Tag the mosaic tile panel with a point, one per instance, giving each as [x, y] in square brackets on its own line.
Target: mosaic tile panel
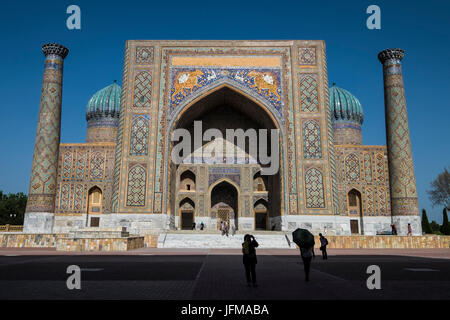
[352, 167]
[139, 135]
[309, 94]
[142, 92]
[312, 146]
[367, 167]
[67, 164]
[144, 55]
[314, 189]
[307, 56]
[97, 166]
[137, 178]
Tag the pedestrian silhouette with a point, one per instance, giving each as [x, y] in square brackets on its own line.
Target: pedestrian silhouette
[409, 229]
[193, 226]
[323, 246]
[307, 254]
[202, 225]
[249, 259]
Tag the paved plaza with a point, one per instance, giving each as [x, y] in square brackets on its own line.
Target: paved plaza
[219, 274]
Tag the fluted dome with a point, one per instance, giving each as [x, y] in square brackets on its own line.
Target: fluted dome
[345, 106]
[102, 114]
[104, 103]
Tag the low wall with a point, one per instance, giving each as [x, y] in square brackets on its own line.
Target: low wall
[27, 240]
[151, 240]
[99, 244]
[373, 242]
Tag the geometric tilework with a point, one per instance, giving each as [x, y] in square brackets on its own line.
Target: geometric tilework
[381, 199]
[139, 135]
[309, 96]
[137, 177]
[78, 197]
[379, 167]
[352, 167]
[312, 146]
[144, 55]
[67, 165]
[64, 197]
[370, 201]
[81, 164]
[367, 167]
[314, 193]
[142, 90]
[307, 56]
[97, 165]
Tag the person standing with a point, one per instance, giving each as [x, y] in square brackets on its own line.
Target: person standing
[409, 229]
[307, 254]
[249, 259]
[193, 225]
[202, 225]
[227, 228]
[323, 246]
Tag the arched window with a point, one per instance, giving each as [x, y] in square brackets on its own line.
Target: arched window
[95, 200]
[187, 181]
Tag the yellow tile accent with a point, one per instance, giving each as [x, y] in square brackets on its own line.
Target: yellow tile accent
[240, 61]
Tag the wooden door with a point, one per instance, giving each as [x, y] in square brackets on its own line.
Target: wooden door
[354, 226]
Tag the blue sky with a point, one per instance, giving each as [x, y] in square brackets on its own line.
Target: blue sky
[421, 28]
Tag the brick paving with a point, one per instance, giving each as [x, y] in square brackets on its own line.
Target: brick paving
[219, 274]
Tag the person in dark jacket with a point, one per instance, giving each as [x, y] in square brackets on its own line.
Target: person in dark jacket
[307, 254]
[249, 259]
[323, 246]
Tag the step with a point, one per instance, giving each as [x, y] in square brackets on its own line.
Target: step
[217, 241]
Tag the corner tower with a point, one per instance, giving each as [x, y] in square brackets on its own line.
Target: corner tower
[39, 213]
[404, 201]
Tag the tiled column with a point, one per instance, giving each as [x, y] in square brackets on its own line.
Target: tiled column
[404, 201]
[39, 214]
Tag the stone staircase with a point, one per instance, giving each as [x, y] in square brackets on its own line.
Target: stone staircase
[214, 240]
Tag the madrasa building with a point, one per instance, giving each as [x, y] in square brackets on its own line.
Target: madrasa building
[124, 174]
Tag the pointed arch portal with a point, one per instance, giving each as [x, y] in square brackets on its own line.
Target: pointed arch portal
[228, 108]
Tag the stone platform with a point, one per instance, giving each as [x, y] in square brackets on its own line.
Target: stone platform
[99, 239]
[281, 240]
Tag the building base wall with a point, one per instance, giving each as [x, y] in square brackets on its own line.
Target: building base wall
[401, 222]
[336, 225]
[38, 222]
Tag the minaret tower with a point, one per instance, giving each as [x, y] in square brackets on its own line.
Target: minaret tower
[39, 214]
[404, 201]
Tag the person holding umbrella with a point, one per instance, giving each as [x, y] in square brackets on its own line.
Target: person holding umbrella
[305, 241]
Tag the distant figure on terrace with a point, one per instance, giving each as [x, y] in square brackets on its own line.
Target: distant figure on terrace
[409, 229]
[394, 229]
[193, 225]
[202, 225]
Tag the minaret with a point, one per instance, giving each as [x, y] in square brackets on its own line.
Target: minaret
[39, 214]
[404, 201]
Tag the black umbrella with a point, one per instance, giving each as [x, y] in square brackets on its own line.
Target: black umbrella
[303, 238]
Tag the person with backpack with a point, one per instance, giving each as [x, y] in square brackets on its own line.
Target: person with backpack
[323, 246]
[249, 259]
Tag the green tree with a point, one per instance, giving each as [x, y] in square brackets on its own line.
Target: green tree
[445, 228]
[12, 208]
[425, 223]
[439, 193]
[435, 226]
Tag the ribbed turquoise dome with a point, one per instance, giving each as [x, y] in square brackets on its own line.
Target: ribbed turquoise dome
[345, 106]
[104, 103]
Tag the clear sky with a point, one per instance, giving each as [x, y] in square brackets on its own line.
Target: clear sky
[421, 28]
